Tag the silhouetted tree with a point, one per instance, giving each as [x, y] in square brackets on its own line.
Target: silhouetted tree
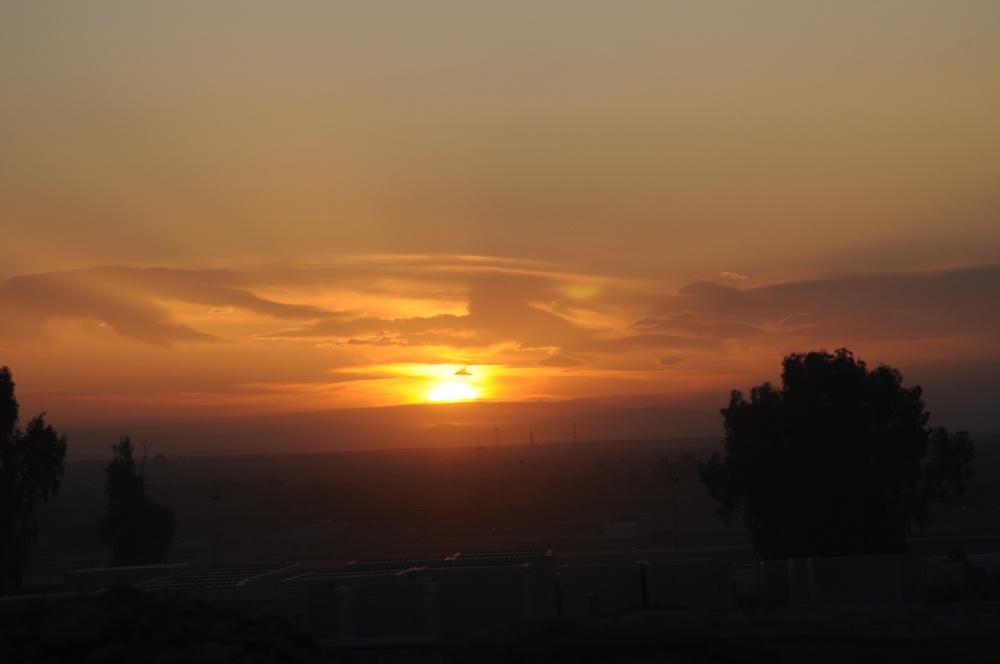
[838, 461]
[138, 530]
[31, 467]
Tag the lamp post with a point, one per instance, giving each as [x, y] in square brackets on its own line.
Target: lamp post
[215, 528]
[677, 546]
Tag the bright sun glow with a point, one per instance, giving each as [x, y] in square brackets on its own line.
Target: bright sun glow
[452, 391]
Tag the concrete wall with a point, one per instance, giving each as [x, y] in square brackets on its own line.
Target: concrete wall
[542, 574]
[479, 599]
[289, 602]
[697, 584]
[455, 601]
[746, 585]
[395, 610]
[600, 590]
[774, 583]
[946, 578]
[844, 580]
[324, 597]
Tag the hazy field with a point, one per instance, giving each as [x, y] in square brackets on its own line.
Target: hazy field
[585, 501]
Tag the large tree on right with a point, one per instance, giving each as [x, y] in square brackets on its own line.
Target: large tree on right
[837, 461]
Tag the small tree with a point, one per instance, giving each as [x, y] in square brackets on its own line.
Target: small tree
[138, 530]
[31, 467]
[838, 461]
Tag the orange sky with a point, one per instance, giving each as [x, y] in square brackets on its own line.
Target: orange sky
[256, 208]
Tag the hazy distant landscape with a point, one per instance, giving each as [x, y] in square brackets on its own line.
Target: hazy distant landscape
[595, 500]
[459, 424]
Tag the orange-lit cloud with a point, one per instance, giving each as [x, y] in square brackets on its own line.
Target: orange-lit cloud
[205, 339]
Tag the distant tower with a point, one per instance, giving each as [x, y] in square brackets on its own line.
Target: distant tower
[574, 433]
[531, 438]
[497, 429]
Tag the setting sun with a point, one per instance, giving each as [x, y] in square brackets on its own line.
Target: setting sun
[452, 391]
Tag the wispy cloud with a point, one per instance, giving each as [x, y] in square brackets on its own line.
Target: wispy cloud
[560, 361]
[928, 305]
[503, 302]
[343, 323]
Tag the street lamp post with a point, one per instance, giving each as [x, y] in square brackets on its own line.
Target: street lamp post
[677, 545]
[215, 528]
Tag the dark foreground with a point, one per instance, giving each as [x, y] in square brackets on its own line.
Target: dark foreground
[123, 625]
[959, 632]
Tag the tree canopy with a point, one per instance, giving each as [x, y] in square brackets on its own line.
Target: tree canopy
[138, 530]
[31, 468]
[837, 461]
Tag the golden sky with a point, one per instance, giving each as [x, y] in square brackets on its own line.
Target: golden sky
[237, 208]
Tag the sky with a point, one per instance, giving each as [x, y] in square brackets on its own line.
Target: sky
[263, 212]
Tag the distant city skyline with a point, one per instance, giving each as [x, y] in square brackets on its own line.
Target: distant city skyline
[247, 210]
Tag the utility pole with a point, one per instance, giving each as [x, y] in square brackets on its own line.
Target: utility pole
[497, 429]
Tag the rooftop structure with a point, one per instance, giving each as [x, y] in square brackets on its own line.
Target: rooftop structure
[225, 577]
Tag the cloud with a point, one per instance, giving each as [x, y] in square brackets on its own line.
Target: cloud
[299, 337]
[512, 313]
[502, 306]
[502, 314]
[419, 330]
[480, 303]
[381, 341]
[560, 361]
[691, 325]
[928, 305]
[32, 301]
